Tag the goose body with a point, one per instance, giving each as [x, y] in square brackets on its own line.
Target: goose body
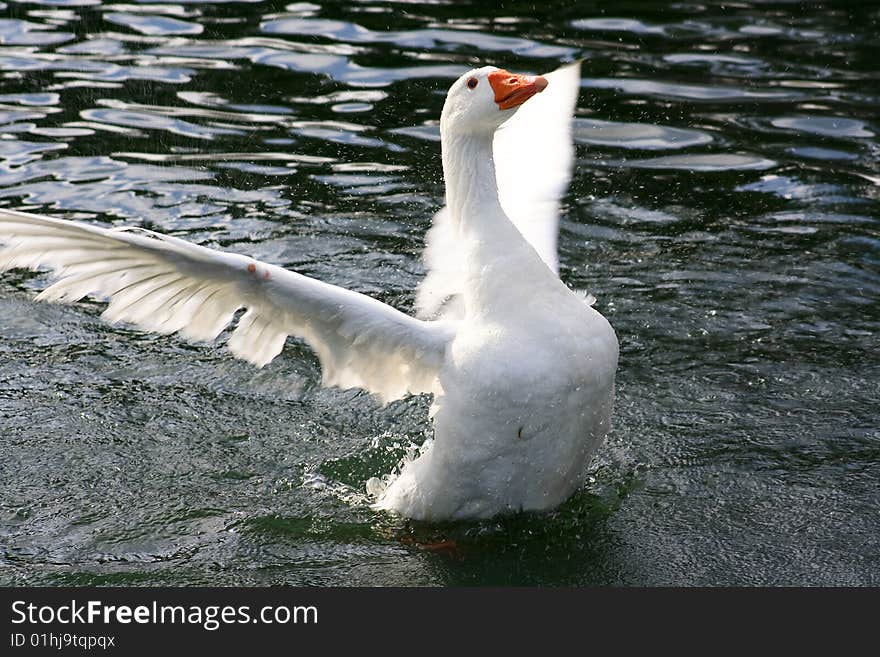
[524, 395]
[521, 406]
[520, 366]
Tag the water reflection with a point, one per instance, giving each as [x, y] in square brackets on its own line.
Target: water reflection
[701, 162]
[638, 136]
[153, 25]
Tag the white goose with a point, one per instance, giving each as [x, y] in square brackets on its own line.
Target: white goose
[521, 368]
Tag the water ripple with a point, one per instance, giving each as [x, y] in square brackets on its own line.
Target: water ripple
[693, 92]
[701, 162]
[155, 121]
[826, 126]
[427, 39]
[153, 25]
[636, 135]
[724, 211]
[25, 33]
[617, 25]
[89, 69]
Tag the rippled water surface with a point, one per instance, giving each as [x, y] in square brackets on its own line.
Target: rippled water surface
[724, 211]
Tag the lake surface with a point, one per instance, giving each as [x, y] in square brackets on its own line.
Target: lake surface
[724, 212]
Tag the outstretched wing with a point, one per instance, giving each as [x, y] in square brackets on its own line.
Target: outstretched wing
[165, 284]
[531, 187]
[530, 180]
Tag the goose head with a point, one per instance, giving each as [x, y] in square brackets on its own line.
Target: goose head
[484, 98]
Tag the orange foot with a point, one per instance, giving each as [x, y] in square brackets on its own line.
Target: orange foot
[446, 547]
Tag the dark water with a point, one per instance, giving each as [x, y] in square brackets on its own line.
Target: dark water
[724, 211]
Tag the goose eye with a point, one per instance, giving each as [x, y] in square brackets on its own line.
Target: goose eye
[472, 83]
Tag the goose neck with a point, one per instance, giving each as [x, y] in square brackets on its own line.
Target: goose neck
[469, 171]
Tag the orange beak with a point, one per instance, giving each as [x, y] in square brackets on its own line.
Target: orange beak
[512, 90]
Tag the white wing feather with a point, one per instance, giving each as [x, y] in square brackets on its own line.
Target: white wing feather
[533, 160]
[439, 293]
[533, 154]
[165, 284]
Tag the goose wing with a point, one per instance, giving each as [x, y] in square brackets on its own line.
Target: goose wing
[530, 188]
[164, 284]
